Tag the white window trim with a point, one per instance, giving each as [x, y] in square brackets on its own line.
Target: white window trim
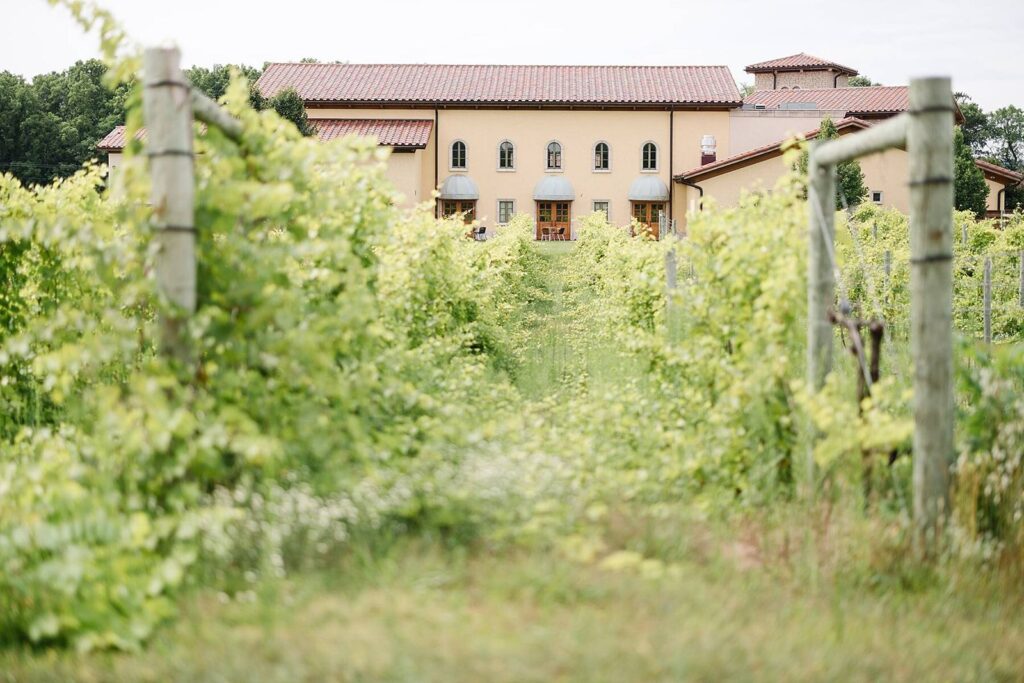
[605, 201]
[515, 157]
[451, 146]
[547, 169]
[657, 157]
[881, 196]
[497, 215]
[593, 152]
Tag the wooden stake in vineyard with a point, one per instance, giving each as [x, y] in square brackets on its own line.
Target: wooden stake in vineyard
[167, 112]
[927, 131]
[168, 104]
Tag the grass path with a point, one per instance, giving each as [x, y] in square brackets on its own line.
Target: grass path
[735, 604]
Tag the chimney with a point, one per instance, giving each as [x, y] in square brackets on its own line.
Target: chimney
[707, 150]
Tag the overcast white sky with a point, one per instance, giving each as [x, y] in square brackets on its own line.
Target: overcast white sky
[980, 43]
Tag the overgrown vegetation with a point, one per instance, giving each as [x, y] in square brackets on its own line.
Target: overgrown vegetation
[397, 429]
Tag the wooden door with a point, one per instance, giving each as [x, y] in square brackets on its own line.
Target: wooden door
[647, 214]
[553, 220]
[450, 207]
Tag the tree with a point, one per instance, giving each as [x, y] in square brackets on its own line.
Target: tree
[970, 191]
[1006, 136]
[861, 82]
[850, 187]
[975, 125]
[290, 106]
[214, 81]
[746, 89]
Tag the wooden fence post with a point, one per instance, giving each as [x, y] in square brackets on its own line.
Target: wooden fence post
[1020, 282]
[821, 203]
[167, 114]
[930, 151]
[986, 293]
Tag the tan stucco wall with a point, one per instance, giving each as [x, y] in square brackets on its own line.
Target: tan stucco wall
[885, 172]
[114, 159]
[531, 130]
[405, 171]
[749, 129]
[804, 80]
[993, 194]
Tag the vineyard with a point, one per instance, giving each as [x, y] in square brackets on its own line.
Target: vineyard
[400, 454]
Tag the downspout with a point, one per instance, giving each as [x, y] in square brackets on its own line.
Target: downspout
[775, 79]
[700, 200]
[437, 145]
[671, 156]
[835, 81]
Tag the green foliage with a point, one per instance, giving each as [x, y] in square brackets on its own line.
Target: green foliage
[969, 187]
[861, 82]
[975, 126]
[850, 187]
[290, 107]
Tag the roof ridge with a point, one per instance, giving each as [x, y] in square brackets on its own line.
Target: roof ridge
[552, 66]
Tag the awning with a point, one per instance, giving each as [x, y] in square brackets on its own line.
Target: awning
[459, 187]
[648, 188]
[554, 188]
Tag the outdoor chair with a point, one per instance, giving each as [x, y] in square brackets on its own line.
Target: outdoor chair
[561, 234]
[545, 234]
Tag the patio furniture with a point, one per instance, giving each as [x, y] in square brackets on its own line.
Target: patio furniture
[561, 234]
[545, 234]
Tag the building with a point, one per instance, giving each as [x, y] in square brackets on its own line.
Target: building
[560, 142]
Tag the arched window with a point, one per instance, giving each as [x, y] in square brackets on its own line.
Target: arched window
[601, 156]
[649, 161]
[506, 156]
[554, 156]
[458, 158]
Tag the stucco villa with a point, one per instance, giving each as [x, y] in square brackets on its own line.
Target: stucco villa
[560, 142]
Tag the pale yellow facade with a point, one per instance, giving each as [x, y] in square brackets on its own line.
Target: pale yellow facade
[886, 173]
[530, 131]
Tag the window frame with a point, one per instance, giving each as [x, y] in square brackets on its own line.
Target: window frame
[561, 157]
[512, 168]
[607, 211]
[608, 159]
[881, 197]
[512, 211]
[657, 157]
[465, 156]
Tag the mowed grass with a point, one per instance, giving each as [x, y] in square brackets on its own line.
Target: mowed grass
[421, 614]
[753, 599]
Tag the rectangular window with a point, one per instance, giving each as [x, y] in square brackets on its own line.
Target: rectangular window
[876, 196]
[506, 207]
[602, 205]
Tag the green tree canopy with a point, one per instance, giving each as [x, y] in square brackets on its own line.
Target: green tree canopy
[850, 187]
[861, 82]
[290, 106]
[969, 187]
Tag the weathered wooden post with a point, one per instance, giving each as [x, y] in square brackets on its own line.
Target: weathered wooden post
[1020, 278]
[930, 151]
[167, 113]
[821, 207]
[986, 294]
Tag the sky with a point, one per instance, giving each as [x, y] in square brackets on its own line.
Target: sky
[980, 43]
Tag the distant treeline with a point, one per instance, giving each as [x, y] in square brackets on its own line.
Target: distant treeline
[50, 125]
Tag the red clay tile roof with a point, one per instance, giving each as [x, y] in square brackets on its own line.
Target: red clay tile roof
[774, 149]
[115, 140]
[412, 133]
[502, 84]
[797, 62]
[389, 132]
[851, 101]
[1004, 175]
